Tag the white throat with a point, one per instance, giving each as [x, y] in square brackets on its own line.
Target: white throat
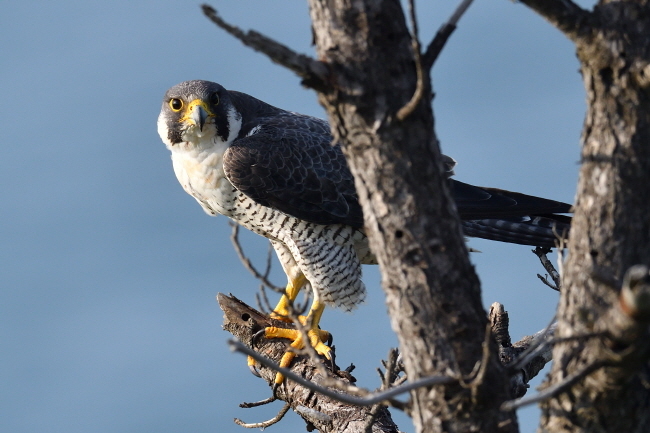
[198, 162]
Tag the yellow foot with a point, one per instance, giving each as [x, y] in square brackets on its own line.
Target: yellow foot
[284, 316]
[317, 338]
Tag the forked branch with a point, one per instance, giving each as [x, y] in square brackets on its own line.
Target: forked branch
[567, 16]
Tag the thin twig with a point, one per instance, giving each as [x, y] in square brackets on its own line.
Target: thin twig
[269, 261]
[370, 400]
[545, 346]
[392, 367]
[264, 424]
[262, 301]
[566, 15]
[537, 343]
[541, 253]
[547, 283]
[554, 390]
[234, 238]
[258, 403]
[388, 380]
[439, 41]
[407, 109]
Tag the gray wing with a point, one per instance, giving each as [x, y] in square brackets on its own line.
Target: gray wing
[290, 164]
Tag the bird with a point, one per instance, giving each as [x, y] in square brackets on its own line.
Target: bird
[281, 175]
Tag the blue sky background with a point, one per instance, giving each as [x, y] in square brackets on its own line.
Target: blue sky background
[108, 318]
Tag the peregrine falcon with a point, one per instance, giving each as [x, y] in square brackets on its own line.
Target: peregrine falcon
[280, 175]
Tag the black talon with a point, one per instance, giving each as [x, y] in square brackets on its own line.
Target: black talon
[253, 370]
[330, 339]
[257, 335]
[332, 359]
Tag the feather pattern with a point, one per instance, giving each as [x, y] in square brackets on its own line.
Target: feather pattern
[280, 175]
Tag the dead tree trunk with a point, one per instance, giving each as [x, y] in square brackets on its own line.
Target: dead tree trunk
[433, 294]
[607, 355]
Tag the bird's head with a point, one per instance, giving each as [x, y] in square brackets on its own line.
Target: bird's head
[197, 113]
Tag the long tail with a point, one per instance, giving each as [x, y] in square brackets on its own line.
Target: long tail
[538, 231]
[507, 216]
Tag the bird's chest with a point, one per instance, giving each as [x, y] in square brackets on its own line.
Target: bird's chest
[203, 178]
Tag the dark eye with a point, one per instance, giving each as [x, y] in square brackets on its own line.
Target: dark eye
[214, 98]
[176, 104]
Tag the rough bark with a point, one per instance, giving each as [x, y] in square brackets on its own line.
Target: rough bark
[432, 291]
[611, 229]
[320, 412]
[333, 413]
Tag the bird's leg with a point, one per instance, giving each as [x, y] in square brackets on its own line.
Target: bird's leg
[281, 311]
[316, 337]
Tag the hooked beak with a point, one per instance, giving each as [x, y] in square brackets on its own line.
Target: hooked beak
[199, 116]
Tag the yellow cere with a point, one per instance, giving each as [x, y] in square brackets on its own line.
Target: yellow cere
[190, 109]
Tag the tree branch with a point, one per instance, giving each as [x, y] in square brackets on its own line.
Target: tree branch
[554, 390]
[510, 354]
[369, 399]
[407, 109]
[265, 424]
[565, 15]
[624, 339]
[548, 266]
[263, 278]
[439, 41]
[313, 73]
[322, 412]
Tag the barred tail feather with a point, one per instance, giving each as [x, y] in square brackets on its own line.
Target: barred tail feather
[539, 231]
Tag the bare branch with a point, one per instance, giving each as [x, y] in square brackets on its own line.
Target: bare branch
[540, 346]
[554, 390]
[537, 345]
[532, 360]
[407, 109]
[388, 380]
[565, 15]
[268, 423]
[372, 399]
[313, 73]
[258, 403]
[548, 266]
[547, 283]
[439, 41]
[262, 300]
[234, 238]
[393, 369]
[243, 322]
[522, 359]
